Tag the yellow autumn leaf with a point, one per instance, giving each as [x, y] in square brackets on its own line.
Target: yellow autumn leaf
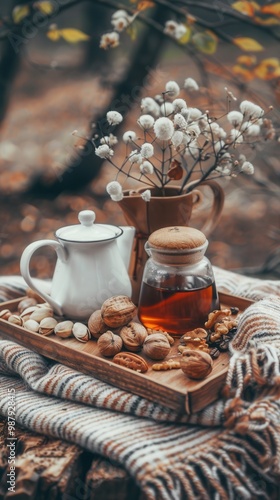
[132, 32]
[273, 8]
[268, 69]
[144, 5]
[249, 44]
[247, 60]
[72, 35]
[246, 8]
[246, 74]
[54, 35]
[269, 21]
[45, 7]
[186, 36]
[20, 12]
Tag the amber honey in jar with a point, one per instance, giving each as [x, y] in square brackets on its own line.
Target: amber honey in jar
[178, 287]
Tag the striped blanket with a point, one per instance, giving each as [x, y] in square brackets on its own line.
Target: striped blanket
[229, 450]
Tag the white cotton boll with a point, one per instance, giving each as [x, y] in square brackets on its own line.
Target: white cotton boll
[185, 113]
[114, 117]
[114, 188]
[146, 168]
[177, 138]
[235, 118]
[117, 197]
[251, 110]
[179, 104]
[135, 157]
[110, 139]
[120, 13]
[221, 133]
[236, 136]
[218, 146]
[109, 40]
[192, 149]
[146, 196]
[193, 130]
[170, 28]
[104, 151]
[163, 128]
[120, 23]
[251, 129]
[247, 168]
[129, 136]
[194, 114]
[180, 31]
[149, 105]
[179, 121]
[147, 150]
[146, 122]
[172, 88]
[166, 109]
[190, 84]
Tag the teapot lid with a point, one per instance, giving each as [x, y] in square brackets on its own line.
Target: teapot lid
[87, 231]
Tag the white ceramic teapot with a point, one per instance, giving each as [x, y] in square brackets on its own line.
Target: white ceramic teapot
[90, 267]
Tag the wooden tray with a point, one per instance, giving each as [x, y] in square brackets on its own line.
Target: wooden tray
[171, 388]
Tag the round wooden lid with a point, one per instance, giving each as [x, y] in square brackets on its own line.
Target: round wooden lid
[177, 245]
[177, 238]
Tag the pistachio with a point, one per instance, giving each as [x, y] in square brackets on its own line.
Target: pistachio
[25, 303]
[5, 313]
[32, 325]
[64, 329]
[81, 332]
[27, 312]
[47, 326]
[41, 313]
[15, 319]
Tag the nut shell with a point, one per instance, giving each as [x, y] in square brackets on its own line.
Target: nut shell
[117, 311]
[156, 346]
[96, 324]
[81, 332]
[133, 336]
[109, 344]
[196, 364]
[64, 329]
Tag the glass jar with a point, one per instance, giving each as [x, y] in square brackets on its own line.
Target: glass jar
[178, 288]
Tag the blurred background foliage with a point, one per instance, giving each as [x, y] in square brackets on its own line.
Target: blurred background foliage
[55, 78]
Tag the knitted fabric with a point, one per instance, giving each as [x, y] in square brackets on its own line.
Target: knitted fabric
[229, 450]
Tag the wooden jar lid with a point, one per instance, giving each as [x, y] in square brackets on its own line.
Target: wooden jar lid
[177, 245]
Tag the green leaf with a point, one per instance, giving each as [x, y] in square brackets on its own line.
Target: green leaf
[45, 7]
[205, 41]
[132, 32]
[20, 12]
[73, 35]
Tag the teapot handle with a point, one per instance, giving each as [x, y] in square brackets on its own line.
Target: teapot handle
[25, 268]
[217, 204]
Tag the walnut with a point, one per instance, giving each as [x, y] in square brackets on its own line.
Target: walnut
[109, 344]
[196, 364]
[96, 324]
[216, 316]
[200, 333]
[170, 339]
[170, 364]
[156, 346]
[117, 311]
[222, 328]
[193, 344]
[133, 336]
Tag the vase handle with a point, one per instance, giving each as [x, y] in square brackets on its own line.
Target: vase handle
[217, 205]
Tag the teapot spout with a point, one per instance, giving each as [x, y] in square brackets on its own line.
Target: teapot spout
[125, 243]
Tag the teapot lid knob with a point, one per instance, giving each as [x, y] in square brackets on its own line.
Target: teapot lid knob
[87, 217]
